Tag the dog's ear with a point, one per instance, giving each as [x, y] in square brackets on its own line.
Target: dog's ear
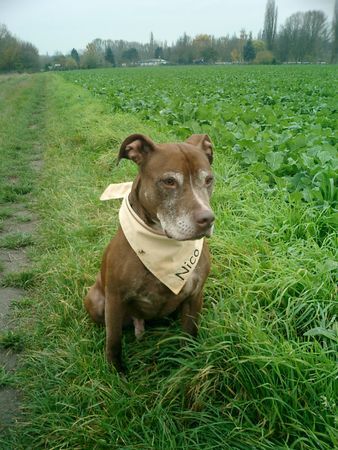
[203, 142]
[136, 147]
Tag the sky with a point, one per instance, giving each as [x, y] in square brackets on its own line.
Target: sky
[60, 25]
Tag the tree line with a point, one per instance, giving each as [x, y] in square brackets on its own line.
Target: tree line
[304, 37]
[17, 55]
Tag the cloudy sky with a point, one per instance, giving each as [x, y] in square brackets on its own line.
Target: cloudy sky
[60, 25]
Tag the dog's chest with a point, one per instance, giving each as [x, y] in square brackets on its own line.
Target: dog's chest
[148, 298]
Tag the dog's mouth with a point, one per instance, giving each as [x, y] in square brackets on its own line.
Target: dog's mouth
[206, 233]
[210, 231]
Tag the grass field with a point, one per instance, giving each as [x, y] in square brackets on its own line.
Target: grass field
[262, 373]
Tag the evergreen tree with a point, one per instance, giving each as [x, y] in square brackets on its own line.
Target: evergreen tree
[130, 55]
[158, 53]
[249, 52]
[109, 56]
[74, 54]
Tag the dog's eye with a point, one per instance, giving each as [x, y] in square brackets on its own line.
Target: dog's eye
[209, 180]
[169, 182]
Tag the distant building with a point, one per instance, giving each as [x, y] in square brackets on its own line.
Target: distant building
[153, 62]
[55, 66]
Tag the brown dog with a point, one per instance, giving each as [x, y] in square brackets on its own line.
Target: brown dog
[170, 198]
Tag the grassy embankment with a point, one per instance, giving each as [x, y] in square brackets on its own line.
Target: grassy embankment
[253, 378]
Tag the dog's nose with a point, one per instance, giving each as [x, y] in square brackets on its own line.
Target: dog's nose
[204, 219]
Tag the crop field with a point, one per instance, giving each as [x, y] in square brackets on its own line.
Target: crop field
[281, 122]
[262, 373]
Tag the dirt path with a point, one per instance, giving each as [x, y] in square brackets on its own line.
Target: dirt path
[13, 261]
[18, 225]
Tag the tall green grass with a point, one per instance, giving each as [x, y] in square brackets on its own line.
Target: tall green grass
[262, 372]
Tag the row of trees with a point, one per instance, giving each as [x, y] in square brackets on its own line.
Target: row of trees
[305, 36]
[16, 55]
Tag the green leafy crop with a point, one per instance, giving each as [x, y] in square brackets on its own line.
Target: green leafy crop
[279, 122]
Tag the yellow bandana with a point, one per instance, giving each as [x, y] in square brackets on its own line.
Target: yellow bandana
[116, 190]
[170, 261]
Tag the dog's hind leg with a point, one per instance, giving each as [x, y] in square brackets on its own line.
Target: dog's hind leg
[95, 302]
[139, 328]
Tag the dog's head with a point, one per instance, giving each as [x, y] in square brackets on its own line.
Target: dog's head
[175, 183]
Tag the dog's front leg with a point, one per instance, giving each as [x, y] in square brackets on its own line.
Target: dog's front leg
[114, 323]
[190, 311]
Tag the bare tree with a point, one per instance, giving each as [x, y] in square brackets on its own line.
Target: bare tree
[183, 50]
[316, 34]
[270, 24]
[334, 58]
[304, 37]
[93, 56]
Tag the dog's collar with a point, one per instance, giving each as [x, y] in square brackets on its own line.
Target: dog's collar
[169, 260]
